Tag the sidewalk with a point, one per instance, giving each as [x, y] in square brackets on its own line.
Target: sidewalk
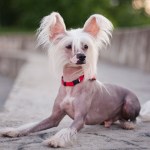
[32, 99]
[6, 84]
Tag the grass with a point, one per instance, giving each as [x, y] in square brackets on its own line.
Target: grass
[15, 30]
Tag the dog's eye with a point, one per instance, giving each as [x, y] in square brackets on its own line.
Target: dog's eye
[69, 46]
[85, 47]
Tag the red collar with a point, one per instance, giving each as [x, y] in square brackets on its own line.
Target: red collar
[74, 82]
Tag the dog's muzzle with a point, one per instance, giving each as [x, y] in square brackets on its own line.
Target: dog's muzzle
[78, 59]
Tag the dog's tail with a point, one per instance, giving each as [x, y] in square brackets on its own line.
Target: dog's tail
[144, 113]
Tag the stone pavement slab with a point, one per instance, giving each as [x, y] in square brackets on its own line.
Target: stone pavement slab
[32, 98]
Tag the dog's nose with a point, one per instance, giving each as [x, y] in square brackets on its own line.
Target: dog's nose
[81, 56]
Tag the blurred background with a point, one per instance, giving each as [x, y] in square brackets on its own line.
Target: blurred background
[130, 46]
[25, 15]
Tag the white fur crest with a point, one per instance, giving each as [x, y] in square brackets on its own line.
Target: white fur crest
[15, 132]
[62, 138]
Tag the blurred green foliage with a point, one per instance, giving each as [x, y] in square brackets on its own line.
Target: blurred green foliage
[26, 14]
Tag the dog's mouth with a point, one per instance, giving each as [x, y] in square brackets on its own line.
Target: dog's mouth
[79, 62]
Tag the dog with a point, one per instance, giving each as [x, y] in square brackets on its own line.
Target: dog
[74, 54]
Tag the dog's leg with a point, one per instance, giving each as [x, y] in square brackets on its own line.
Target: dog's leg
[108, 123]
[66, 136]
[52, 121]
[24, 130]
[130, 111]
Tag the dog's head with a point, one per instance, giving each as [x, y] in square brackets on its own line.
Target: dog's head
[76, 46]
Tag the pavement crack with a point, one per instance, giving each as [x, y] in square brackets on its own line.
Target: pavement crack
[129, 143]
[9, 140]
[43, 136]
[93, 134]
[108, 139]
[146, 134]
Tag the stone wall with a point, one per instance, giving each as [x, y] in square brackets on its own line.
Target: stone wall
[11, 62]
[18, 42]
[13, 51]
[130, 47]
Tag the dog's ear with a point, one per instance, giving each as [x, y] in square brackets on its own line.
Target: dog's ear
[98, 26]
[51, 26]
[57, 25]
[91, 26]
[96, 23]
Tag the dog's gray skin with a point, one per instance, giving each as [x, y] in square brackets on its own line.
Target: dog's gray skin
[88, 102]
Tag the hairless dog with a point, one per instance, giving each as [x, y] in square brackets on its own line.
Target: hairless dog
[86, 100]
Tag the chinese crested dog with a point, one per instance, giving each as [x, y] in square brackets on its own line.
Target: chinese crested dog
[74, 54]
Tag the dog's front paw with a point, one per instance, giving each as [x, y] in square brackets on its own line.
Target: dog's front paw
[10, 132]
[61, 139]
